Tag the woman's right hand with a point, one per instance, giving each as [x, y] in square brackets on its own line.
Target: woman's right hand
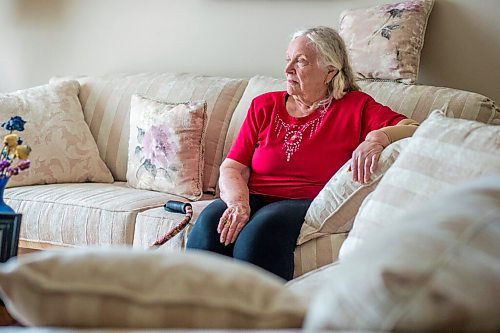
[233, 182]
[232, 222]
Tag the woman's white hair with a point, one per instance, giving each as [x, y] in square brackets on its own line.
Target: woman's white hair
[332, 52]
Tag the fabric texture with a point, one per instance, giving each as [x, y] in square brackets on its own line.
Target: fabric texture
[436, 269]
[106, 106]
[124, 288]
[442, 152]
[385, 41]
[86, 214]
[166, 147]
[334, 208]
[418, 101]
[63, 149]
[317, 252]
[276, 145]
[308, 285]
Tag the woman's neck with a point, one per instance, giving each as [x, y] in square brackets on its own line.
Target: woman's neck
[299, 107]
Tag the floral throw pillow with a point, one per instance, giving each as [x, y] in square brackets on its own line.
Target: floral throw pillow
[384, 42]
[166, 146]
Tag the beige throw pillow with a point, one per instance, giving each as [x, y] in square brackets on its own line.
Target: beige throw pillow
[334, 208]
[63, 149]
[166, 146]
[385, 41]
[124, 288]
[443, 152]
[435, 269]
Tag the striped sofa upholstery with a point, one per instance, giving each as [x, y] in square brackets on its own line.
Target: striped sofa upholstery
[106, 107]
[107, 214]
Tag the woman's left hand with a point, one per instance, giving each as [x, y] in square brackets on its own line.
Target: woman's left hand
[365, 157]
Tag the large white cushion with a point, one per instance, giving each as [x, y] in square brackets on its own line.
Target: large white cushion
[443, 152]
[334, 208]
[434, 269]
[145, 289]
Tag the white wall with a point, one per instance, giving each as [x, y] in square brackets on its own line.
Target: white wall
[43, 38]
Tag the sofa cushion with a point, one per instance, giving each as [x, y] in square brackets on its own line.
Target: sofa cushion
[317, 252]
[63, 149]
[334, 208]
[80, 214]
[434, 269]
[418, 101]
[442, 152]
[308, 285]
[385, 41]
[106, 105]
[126, 288]
[152, 224]
[256, 86]
[166, 146]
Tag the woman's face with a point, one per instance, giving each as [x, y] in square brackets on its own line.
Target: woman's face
[305, 76]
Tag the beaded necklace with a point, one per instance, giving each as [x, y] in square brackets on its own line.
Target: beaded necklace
[294, 132]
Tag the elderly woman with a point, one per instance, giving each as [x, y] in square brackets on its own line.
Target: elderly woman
[290, 144]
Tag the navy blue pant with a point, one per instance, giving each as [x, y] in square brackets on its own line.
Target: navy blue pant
[267, 240]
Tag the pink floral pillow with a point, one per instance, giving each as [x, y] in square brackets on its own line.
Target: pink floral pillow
[166, 146]
[384, 42]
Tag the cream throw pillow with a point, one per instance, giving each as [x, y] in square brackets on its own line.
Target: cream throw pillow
[436, 269]
[334, 208]
[166, 146]
[443, 152]
[385, 41]
[124, 288]
[63, 149]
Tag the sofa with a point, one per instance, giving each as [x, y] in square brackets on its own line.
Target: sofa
[98, 207]
[87, 214]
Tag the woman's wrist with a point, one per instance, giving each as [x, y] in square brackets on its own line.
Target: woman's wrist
[379, 137]
[240, 205]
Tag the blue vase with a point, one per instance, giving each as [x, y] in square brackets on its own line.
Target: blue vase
[4, 208]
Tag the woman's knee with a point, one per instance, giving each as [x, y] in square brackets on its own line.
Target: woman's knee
[285, 216]
[269, 239]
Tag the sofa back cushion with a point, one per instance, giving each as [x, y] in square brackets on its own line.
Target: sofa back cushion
[106, 106]
[418, 101]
